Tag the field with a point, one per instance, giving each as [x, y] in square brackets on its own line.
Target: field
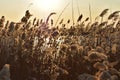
[45, 50]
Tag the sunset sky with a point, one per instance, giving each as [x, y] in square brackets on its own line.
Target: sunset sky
[13, 10]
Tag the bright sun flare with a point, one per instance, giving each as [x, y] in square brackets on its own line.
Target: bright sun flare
[47, 5]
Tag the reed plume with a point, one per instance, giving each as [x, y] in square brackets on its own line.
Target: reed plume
[87, 19]
[61, 21]
[80, 18]
[49, 16]
[113, 14]
[51, 22]
[104, 12]
[68, 21]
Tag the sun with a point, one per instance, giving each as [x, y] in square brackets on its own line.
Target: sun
[47, 5]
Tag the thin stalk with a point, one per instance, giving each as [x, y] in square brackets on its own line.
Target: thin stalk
[90, 13]
[61, 13]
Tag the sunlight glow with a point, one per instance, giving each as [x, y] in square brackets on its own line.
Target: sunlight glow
[47, 5]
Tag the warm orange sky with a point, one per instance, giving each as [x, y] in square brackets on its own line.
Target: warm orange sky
[14, 9]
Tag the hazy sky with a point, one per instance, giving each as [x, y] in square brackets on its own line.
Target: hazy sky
[14, 9]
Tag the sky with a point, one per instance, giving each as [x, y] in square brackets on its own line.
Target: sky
[14, 10]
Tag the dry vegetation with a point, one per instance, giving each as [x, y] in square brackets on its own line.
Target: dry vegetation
[32, 50]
